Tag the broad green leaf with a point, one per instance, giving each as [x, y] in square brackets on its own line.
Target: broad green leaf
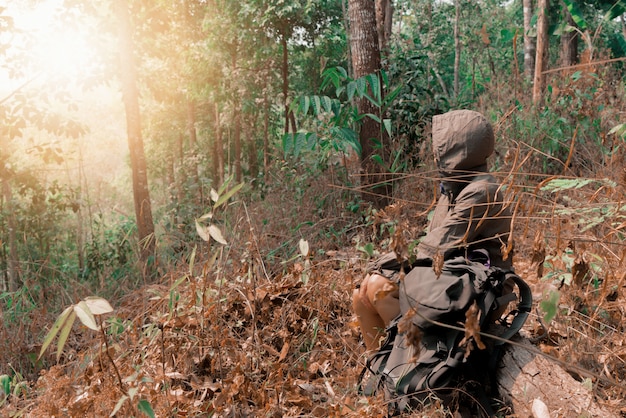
[373, 117]
[558, 185]
[387, 125]
[145, 407]
[216, 234]
[374, 83]
[224, 197]
[351, 89]
[361, 86]
[86, 317]
[118, 405]
[58, 324]
[577, 15]
[65, 332]
[202, 232]
[98, 306]
[620, 130]
[327, 103]
[304, 104]
[5, 384]
[550, 306]
[316, 105]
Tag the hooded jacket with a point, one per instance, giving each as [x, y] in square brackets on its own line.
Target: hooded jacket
[471, 212]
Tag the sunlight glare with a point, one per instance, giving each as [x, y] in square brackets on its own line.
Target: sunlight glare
[58, 49]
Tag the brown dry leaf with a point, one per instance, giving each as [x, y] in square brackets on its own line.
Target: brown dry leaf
[538, 254]
[472, 330]
[386, 290]
[580, 268]
[284, 351]
[438, 263]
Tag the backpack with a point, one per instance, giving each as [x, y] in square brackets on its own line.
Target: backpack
[430, 348]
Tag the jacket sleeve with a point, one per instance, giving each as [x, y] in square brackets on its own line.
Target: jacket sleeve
[463, 223]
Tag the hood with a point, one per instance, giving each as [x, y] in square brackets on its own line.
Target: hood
[462, 141]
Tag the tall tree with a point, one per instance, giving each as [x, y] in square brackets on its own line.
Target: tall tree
[529, 40]
[366, 60]
[542, 50]
[130, 92]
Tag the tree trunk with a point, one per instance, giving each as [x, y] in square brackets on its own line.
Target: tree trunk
[366, 60]
[266, 137]
[542, 50]
[529, 41]
[253, 161]
[569, 42]
[384, 21]
[130, 93]
[285, 76]
[237, 140]
[13, 258]
[218, 149]
[457, 47]
[526, 377]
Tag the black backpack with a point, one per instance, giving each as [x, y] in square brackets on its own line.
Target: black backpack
[431, 348]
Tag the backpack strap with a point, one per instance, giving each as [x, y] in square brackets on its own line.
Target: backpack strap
[523, 308]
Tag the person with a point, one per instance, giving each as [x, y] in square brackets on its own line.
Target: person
[470, 215]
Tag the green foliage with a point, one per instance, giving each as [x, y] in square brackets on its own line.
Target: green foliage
[84, 311]
[219, 198]
[550, 305]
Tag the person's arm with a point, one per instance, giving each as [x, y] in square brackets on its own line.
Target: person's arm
[463, 223]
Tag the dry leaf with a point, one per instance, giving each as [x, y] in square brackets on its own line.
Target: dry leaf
[472, 330]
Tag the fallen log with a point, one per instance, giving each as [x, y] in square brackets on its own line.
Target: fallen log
[530, 382]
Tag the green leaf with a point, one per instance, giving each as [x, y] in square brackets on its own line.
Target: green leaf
[86, 317]
[387, 125]
[316, 105]
[145, 407]
[550, 306]
[351, 89]
[118, 405]
[620, 130]
[58, 324]
[374, 83]
[577, 15]
[304, 104]
[5, 384]
[64, 333]
[557, 185]
[98, 306]
[327, 103]
[223, 198]
[373, 117]
[361, 86]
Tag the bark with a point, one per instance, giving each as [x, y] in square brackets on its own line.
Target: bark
[218, 149]
[285, 76]
[529, 41]
[526, 377]
[237, 140]
[384, 21]
[266, 140]
[13, 261]
[569, 42]
[366, 60]
[130, 93]
[541, 57]
[457, 47]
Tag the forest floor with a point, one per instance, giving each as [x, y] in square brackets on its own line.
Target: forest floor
[235, 339]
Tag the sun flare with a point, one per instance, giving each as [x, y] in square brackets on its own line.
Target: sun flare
[57, 48]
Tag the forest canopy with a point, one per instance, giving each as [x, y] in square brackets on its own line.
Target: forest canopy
[222, 160]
